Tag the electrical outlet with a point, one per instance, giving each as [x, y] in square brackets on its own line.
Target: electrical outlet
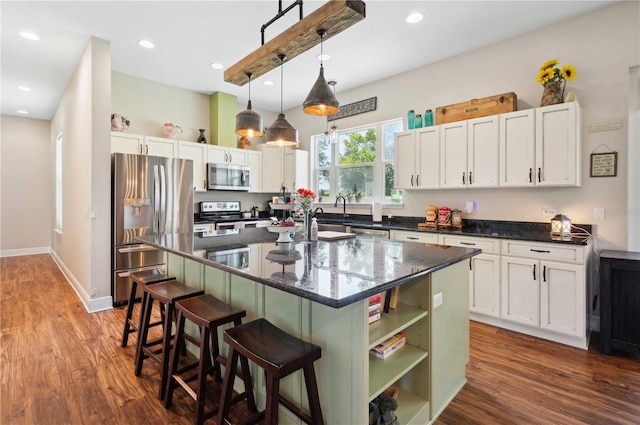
[468, 207]
[549, 212]
[598, 213]
[437, 300]
[93, 293]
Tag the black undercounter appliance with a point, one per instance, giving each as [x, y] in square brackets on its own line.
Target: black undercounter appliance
[150, 195]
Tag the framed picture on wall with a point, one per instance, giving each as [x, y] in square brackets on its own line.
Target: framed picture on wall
[604, 164]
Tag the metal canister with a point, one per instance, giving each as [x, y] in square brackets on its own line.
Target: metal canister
[444, 216]
[456, 218]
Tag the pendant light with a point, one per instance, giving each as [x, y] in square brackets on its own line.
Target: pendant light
[320, 100]
[281, 133]
[249, 122]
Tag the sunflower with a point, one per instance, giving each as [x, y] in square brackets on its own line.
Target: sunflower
[568, 72]
[549, 64]
[545, 75]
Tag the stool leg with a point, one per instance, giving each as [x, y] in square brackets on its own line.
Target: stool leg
[127, 325]
[273, 399]
[248, 385]
[312, 393]
[166, 347]
[143, 331]
[227, 386]
[178, 342]
[203, 367]
[215, 355]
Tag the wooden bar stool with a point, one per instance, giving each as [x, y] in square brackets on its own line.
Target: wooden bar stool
[279, 354]
[207, 312]
[166, 293]
[141, 278]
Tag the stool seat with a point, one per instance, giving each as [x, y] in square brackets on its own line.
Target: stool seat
[279, 354]
[141, 278]
[207, 312]
[274, 350]
[166, 293]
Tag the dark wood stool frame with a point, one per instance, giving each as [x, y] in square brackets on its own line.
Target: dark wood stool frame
[142, 278]
[166, 293]
[279, 354]
[208, 313]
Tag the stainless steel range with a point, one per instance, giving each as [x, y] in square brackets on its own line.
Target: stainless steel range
[223, 215]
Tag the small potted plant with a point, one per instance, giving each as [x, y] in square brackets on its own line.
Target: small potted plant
[356, 193]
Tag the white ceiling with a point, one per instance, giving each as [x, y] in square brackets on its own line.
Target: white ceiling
[189, 35]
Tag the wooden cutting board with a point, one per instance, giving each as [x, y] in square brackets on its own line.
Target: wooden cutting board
[327, 235]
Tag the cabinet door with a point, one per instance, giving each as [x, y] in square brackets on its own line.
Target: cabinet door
[558, 145]
[517, 149]
[255, 167]
[404, 169]
[217, 154]
[197, 152]
[296, 169]
[427, 156]
[238, 156]
[563, 298]
[453, 155]
[484, 284]
[157, 146]
[126, 143]
[482, 152]
[520, 290]
[272, 168]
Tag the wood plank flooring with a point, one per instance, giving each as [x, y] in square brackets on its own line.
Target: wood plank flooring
[62, 365]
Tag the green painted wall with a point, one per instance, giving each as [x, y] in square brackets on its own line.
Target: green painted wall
[223, 120]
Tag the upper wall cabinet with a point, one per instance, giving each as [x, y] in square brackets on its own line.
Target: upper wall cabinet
[284, 167]
[558, 145]
[417, 153]
[469, 153]
[518, 149]
[197, 152]
[223, 155]
[143, 145]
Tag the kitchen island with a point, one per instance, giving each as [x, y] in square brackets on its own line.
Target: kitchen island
[320, 292]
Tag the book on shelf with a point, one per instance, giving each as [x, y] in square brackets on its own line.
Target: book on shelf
[395, 347]
[374, 317]
[390, 341]
[393, 299]
[375, 299]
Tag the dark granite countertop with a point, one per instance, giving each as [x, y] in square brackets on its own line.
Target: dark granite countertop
[515, 230]
[333, 273]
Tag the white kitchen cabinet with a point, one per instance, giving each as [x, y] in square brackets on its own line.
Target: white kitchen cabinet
[417, 158]
[126, 143]
[545, 286]
[469, 153]
[518, 149]
[143, 145]
[558, 146]
[284, 167]
[484, 273]
[197, 152]
[158, 146]
[224, 155]
[401, 235]
[255, 168]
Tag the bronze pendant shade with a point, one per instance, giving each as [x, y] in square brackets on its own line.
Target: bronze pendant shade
[320, 100]
[281, 133]
[249, 122]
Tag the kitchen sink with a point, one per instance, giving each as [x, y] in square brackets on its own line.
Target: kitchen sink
[331, 227]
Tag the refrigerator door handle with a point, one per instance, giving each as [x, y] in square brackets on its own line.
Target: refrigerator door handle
[156, 198]
[162, 227]
[136, 248]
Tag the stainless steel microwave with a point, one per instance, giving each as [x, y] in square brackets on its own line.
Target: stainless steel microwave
[228, 177]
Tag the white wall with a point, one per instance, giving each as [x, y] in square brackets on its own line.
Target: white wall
[26, 195]
[602, 45]
[82, 249]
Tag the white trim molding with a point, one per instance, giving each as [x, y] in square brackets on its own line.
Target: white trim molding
[25, 251]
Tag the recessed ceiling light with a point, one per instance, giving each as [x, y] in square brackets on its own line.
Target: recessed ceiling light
[216, 65]
[29, 35]
[414, 18]
[146, 44]
[267, 82]
[21, 111]
[324, 57]
[23, 88]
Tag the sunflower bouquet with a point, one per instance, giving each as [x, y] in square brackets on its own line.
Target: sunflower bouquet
[550, 72]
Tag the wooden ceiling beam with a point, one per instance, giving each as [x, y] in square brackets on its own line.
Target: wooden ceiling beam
[334, 17]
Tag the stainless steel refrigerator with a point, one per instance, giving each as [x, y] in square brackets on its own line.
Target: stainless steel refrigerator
[151, 195]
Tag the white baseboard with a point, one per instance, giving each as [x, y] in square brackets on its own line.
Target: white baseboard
[25, 251]
[92, 305]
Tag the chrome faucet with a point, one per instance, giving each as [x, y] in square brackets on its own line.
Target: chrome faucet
[344, 205]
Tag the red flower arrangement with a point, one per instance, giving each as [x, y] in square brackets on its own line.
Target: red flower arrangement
[306, 198]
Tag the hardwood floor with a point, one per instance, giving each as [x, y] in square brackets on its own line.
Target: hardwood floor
[62, 365]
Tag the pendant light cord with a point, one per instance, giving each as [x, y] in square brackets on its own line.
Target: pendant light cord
[281, 80]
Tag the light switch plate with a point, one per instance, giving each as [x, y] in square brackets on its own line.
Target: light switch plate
[437, 300]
